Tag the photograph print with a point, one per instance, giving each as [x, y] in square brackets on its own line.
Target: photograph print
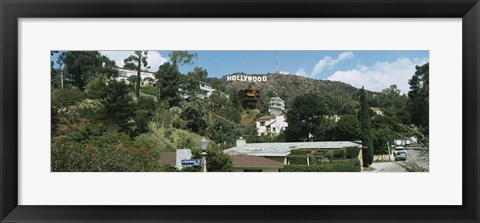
[240, 111]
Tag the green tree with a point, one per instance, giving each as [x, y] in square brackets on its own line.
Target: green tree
[194, 114]
[181, 58]
[193, 78]
[169, 83]
[306, 119]
[234, 108]
[418, 97]
[145, 113]
[366, 129]
[66, 97]
[119, 106]
[348, 128]
[137, 61]
[382, 137]
[263, 103]
[217, 161]
[392, 103]
[223, 130]
[97, 87]
[218, 103]
[81, 65]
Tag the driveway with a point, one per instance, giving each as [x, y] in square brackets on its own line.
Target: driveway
[387, 167]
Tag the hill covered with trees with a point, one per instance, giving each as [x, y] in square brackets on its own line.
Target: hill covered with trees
[102, 124]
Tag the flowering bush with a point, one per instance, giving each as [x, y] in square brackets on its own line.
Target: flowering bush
[108, 152]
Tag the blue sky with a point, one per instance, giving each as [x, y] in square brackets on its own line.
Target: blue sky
[375, 70]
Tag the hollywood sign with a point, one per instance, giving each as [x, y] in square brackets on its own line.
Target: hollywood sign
[247, 78]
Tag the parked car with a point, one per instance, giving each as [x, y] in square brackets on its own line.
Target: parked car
[400, 155]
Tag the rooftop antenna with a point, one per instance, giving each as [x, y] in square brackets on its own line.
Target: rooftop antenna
[277, 70]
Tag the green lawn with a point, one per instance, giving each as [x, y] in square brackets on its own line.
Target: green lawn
[158, 135]
[150, 90]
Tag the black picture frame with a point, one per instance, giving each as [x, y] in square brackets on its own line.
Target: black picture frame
[12, 10]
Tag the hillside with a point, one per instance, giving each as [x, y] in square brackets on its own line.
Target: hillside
[289, 86]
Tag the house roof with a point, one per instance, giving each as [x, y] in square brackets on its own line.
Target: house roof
[168, 158]
[271, 123]
[254, 161]
[266, 117]
[278, 98]
[122, 68]
[284, 148]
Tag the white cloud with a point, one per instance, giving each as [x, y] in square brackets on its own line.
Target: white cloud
[301, 72]
[155, 59]
[329, 62]
[381, 75]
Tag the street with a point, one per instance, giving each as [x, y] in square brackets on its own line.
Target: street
[417, 161]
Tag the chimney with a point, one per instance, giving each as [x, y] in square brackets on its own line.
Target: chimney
[241, 142]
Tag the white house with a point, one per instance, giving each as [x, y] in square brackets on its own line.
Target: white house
[376, 110]
[206, 91]
[271, 125]
[277, 106]
[148, 78]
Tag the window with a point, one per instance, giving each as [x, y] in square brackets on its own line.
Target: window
[262, 123]
[274, 129]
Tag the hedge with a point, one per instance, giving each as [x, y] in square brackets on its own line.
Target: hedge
[299, 160]
[345, 165]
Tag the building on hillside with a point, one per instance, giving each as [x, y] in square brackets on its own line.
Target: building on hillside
[271, 125]
[280, 151]
[206, 91]
[276, 106]
[249, 98]
[376, 110]
[406, 141]
[124, 74]
[244, 163]
[334, 117]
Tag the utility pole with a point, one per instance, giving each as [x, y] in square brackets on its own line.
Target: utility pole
[61, 75]
[389, 158]
[277, 70]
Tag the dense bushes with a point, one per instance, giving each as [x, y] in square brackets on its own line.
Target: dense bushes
[299, 160]
[352, 152]
[345, 165]
[95, 150]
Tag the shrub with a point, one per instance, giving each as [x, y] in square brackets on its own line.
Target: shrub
[150, 90]
[102, 152]
[299, 160]
[339, 154]
[329, 155]
[96, 87]
[300, 151]
[217, 161]
[66, 96]
[345, 165]
[352, 152]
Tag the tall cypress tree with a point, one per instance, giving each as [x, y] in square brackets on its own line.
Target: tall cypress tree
[366, 129]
